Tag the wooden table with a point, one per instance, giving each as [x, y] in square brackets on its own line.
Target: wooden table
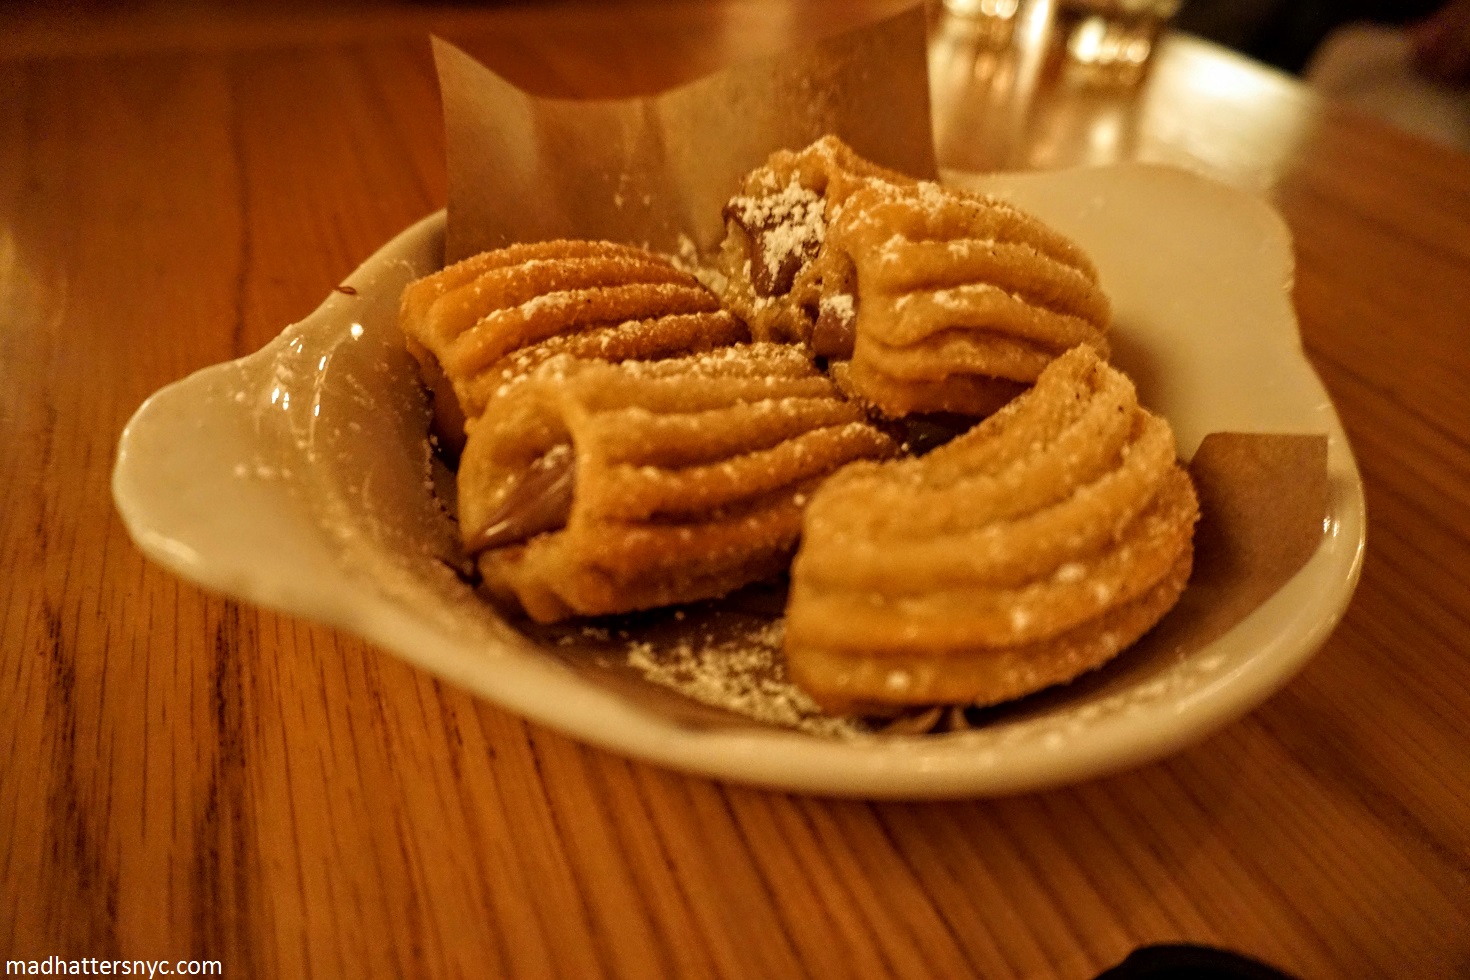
[182, 777]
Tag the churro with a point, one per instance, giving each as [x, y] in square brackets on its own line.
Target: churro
[593, 488]
[487, 321]
[936, 300]
[1030, 549]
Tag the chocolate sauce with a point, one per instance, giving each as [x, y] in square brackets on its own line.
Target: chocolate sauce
[539, 501]
[834, 333]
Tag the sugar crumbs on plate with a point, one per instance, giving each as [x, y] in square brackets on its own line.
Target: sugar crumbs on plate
[740, 671]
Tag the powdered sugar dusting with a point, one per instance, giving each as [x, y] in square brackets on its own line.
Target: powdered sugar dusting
[792, 223]
[839, 304]
[741, 672]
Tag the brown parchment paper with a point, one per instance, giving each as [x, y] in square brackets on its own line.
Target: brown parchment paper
[656, 171]
[650, 171]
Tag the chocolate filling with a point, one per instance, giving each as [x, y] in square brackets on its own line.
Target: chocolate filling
[540, 500]
[779, 248]
[931, 430]
[834, 333]
[775, 281]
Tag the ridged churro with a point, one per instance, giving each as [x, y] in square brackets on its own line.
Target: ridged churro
[1021, 554]
[943, 301]
[488, 320]
[593, 488]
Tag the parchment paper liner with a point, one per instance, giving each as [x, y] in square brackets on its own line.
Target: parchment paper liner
[655, 171]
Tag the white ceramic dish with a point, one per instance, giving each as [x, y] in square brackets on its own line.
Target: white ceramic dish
[297, 479]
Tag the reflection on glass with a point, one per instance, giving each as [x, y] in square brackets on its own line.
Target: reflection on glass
[1108, 42]
[1069, 88]
[1065, 88]
[986, 22]
[1096, 41]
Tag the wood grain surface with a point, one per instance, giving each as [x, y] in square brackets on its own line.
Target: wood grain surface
[183, 777]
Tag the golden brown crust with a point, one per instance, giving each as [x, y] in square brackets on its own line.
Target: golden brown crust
[853, 682]
[943, 300]
[1045, 539]
[691, 475]
[950, 291]
[487, 321]
[960, 394]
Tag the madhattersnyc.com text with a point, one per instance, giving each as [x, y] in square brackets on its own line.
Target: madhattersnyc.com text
[60, 966]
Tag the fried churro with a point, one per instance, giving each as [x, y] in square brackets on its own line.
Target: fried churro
[593, 488]
[1021, 554]
[937, 300]
[486, 321]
